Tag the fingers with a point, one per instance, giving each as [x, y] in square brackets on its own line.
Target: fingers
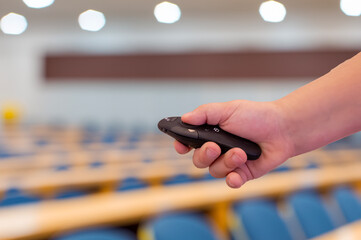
[203, 157]
[239, 176]
[230, 165]
[234, 180]
[180, 148]
[228, 162]
[211, 113]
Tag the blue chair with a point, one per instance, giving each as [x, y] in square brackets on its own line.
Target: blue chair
[15, 197]
[135, 137]
[110, 137]
[178, 226]
[260, 220]
[6, 154]
[96, 164]
[42, 142]
[312, 165]
[311, 213]
[348, 202]
[208, 177]
[98, 234]
[70, 194]
[131, 183]
[61, 167]
[282, 168]
[179, 179]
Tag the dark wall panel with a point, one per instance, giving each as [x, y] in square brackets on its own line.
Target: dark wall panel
[230, 65]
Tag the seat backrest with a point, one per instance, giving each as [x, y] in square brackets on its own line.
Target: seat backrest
[349, 203]
[97, 234]
[260, 220]
[311, 213]
[16, 197]
[178, 226]
[178, 179]
[131, 183]
[70, 194]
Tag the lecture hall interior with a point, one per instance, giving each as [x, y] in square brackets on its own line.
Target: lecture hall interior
[84, 83]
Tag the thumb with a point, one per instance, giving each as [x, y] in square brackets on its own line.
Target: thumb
[211, 113]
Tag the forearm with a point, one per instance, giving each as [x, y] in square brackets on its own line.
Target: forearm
[326, 109]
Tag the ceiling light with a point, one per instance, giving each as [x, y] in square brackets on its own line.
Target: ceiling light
[13, 23]
[272, 11]
[351, 7]
[91, 20]
[38, 3]
[167, 12]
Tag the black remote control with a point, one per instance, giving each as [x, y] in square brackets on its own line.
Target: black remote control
[196, 136]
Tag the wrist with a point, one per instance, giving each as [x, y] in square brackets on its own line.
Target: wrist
[285, 127]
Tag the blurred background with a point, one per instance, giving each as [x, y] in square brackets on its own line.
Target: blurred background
[83, 84]
[131, 28]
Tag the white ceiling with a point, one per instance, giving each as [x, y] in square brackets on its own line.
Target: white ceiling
[197, 9]
[223, 24]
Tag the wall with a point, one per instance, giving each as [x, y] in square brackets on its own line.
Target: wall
[132, 103]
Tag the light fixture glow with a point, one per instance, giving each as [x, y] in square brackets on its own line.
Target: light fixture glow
[38, 3]
[351, 7]
[91, 20]
[272, 11]
[13, 24]
[167, 12]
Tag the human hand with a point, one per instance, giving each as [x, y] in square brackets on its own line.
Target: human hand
[260, 122]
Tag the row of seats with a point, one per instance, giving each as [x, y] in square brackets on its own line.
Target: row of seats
[124, 184]
[256, 219]
[16, 196]
[261, 219]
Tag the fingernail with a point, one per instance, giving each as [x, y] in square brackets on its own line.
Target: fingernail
[236, 158]
[211, 153]
[230, 183]
[187, 114]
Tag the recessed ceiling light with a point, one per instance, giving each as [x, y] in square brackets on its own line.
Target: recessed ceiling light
[351, 7]
[167, 12]
[38, 3]
[272, 11]
[91, 20]
[13, 24]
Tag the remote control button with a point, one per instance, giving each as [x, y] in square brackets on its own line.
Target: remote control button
[190, 133]
[171, 119]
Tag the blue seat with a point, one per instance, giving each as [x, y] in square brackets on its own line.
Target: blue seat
[6, 154]
[87, 140]
[312, 165]
[208, 177]
[42, 142]
[349, 203]
[134, 138]
[311, 213]
[178, 226]
[70, 194]
[96, 164]
[282, 168]
[91, 127]
[131, 183]
[179, 179]
[110, 137]
[260, 220]
[98, 234]
[16, 197]
[129, 146]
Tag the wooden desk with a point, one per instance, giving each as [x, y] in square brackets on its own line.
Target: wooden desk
[49, 217]
[80, 177]
[351, 231]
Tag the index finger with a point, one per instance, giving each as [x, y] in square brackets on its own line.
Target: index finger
[181, 148]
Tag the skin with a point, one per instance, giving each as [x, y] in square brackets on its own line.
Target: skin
[314, 115]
